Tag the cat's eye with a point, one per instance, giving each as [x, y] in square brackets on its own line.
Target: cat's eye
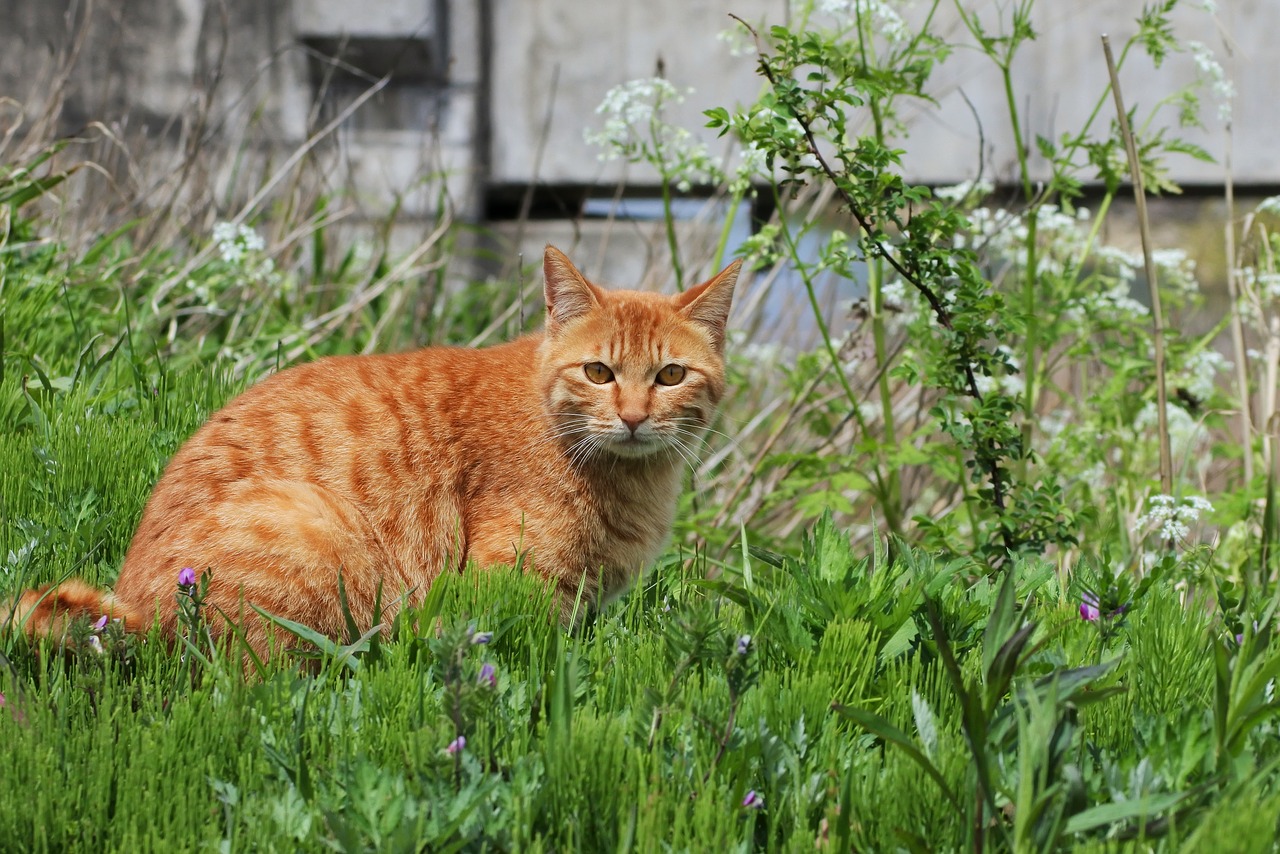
[671, 375]
[598, 372]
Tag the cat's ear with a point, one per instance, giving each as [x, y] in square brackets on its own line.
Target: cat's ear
[569, 295]
[708, 304]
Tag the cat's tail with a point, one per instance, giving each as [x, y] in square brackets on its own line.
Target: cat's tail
[49, 610]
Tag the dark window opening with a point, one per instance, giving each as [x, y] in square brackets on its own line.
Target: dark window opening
[340, 69]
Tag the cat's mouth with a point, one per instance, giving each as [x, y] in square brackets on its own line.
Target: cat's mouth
[635, 445]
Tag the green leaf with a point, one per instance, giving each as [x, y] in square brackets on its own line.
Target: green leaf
[881, 728]
[1106, 815]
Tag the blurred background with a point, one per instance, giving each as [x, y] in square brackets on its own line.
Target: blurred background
[477, 109]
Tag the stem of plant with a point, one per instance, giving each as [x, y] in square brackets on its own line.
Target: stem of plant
[1144, 225]
[722, 244]
[1237, 324]
[672, 242]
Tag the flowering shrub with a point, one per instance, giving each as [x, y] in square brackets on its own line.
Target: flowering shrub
[1016, 329]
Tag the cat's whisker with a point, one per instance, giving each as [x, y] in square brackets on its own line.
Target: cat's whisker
[564, 431]
[711, 431]
[685, 454]
[693, 435]
[580, 450]
[566, 434]
[584, 449]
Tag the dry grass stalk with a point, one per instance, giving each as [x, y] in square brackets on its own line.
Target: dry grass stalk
[1144, 226]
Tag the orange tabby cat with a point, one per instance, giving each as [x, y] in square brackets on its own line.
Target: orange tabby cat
[567, 446]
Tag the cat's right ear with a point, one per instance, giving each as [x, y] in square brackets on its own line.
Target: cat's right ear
[569, 295]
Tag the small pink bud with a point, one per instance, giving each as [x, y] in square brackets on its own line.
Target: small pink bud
[1089, 608]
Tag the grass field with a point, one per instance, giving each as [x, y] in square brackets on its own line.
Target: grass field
[816, 697]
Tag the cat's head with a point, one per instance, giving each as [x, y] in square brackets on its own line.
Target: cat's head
[632, 374]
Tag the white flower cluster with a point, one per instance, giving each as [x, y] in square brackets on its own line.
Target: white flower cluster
[1266, 284]
[236, 241]
[752, 163]
[965, 191]
[893, 294]
[634, 103]
[1176, 270]
[1183, 430]
[1009, 383]
[881, 15]
[1211, 72]
[769, 355]
[1171, 517]
[735, 39]
[242, 250]
[635, 130]
[1003, 234]
[1199, 370]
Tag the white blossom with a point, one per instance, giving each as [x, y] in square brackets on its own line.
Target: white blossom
[1211, 71]
[1172, 517]
[1183, 429]
[1176, 269]
[1199, 371]
[964, 191]
[634, 129]
[883, 17]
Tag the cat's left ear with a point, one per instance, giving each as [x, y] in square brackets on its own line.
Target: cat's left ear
[569, 295]
[708, 304]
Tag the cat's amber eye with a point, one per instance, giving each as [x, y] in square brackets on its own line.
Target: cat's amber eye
[598, 372]
[671, 375]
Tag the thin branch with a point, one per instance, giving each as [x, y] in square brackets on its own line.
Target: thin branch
[935, 303]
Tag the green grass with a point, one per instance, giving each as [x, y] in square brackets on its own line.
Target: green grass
[877, 698]
[616, 738]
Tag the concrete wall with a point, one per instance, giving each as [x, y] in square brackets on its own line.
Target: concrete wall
[519, 80]
[247, 77]
[1058, 79]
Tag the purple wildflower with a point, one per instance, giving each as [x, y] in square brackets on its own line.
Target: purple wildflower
[2, 701]
[187, 578]
[100, 624]
[456, 745]
[753, 801]
[1089, 607]
[1240, 636]
[488, 676]
[744, 646]
[481, 637]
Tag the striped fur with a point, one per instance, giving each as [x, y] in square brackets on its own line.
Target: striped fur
[396, 468]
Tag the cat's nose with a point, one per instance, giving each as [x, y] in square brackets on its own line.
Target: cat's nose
[633, 420]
